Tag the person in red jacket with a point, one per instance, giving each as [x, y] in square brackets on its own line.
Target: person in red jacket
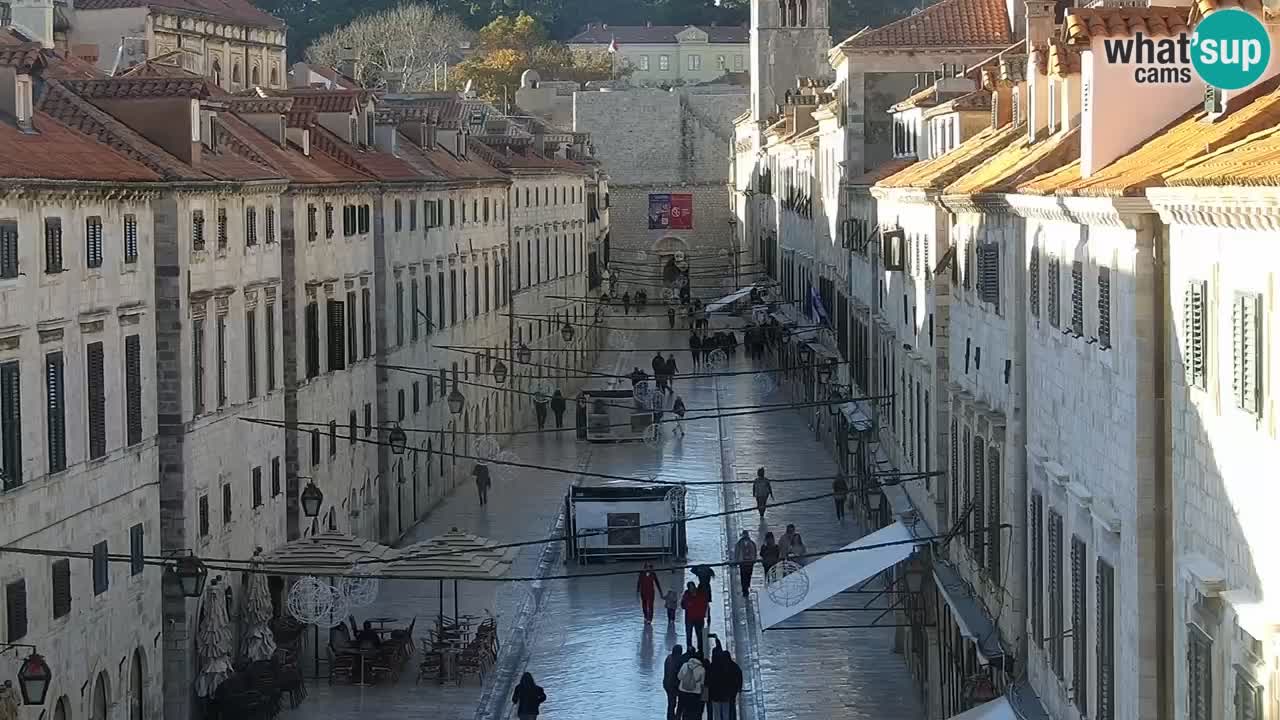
[647, 586]
[695, 604]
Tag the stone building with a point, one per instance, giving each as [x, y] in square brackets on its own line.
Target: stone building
[669, 55]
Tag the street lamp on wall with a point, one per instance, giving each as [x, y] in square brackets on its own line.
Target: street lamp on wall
[398, 439]
[456, 399]
[523, 353]
[500, 372]
[189, 573]
[566, 332]
[34, 675]
[824, 373]
[312, 498]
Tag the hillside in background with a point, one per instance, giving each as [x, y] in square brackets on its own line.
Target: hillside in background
[309, 19]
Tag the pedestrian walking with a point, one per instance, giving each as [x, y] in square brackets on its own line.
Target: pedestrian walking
[695, 349]
[724, 682]
[540, 410]
[692, 685]
[637, 375]
[784, 543]
[626, 303]
[762, 489]
[704, 573]
[679, 409]
[671, 318]
[796, 552]
[732, 342]
[672, 602]
[695, 606]
[483, 481]
[648, 587]
[671, 678]
[527, 698]
[770, 554]
[659, 364]
[745, 553]
[840, 490]
[670, 369]
[557, 407]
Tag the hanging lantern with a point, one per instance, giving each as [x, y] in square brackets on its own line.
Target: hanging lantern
[33, 679]
[500, 372]
[398, 439]
[824, 373]
[566, 332]
[312, 498]
[523, 354]
[456, 401]
[190, 574]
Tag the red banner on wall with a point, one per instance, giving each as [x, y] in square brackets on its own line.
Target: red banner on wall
[670, 211]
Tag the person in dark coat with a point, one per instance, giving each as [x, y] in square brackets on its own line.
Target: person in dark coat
[840, 491]
[557, 407]
[732, 342]
[540, 411]
[483, 481]
[648, 587]
[770, 554]
[527, 698]
[695, 349]
[659, 369]
[671, 679]
[626, 302]
[724, 682]
[671, 317]
[670, 369]
[679, 409]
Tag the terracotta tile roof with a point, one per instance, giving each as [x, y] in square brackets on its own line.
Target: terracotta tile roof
[1019, 162]
[289, 160]
[946, 169]
[1052, 181]
[875, 175]
[976, 100]
[251, 104]
[945, 24]
[927, 97]
[337, 79]
[324, 101]
[156, 69]
[143, 87]
[648, 34]
[445, 109]
[378, 164]
[57, 152]
[234, 11]
[1251, 162]
[1084, 24]
[1203, 7]
[23, 56]
[1063, 60]
[1186, 139]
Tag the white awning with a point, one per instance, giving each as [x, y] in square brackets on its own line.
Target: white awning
[998, 709]
[728, 300]
[832, 574]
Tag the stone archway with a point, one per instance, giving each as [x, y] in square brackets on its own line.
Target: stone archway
[99, 706]
[62, 711]
[137, 686]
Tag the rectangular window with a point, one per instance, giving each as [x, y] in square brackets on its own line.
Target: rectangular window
[1194, 333]
[664, 62]
[10, 425]
[738, 63]
[222, 359]
[417, 400]
[400, 407]
[270, 213]
[453, 297]
[1106, 642]
[275, 477]
[428, 320]
[368, 419]
[328, 219]
[197, 366]
[130, 239]
[250, 226]
[1246, 352]
[333, 438]
[61, 582]
[313, 339]
[1199, 674]
[315, 447]
[1054, 299]
[414, 323]
[255, 486]
[251, 351]
[1055, 593]
[363, 218]
[337, 338]
[227, 512]
[271, 346]
[989, 273]
[366, 318]
[93, 241]
[136, 550]
[311, 223]
[1104, 307]
[203, 506]
[399, 314]
[352, 434]
[197, 230]
[101, 569]
[1079, 625]
[353, 346]
[222, 228]
[1077, 298]
[53, 245]
[55, 412]
[413, 216]
[643, 66]
[486, 210]
[443, 321]
[399, 213]
[15, 602]
[97, 400]
[451, 212]
[8, 249]
[475, 289]
[1037, 568]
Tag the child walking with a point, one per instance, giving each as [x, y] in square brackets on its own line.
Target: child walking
[672, 603]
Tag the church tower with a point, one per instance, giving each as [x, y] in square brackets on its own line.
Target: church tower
[789, 39]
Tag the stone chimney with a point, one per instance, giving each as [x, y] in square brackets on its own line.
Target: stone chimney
[1040, 29]
[35, 19]
[349, 62]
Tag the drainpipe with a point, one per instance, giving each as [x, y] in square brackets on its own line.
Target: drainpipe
[1164, 488]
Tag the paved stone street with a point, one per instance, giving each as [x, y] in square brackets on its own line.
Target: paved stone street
[584, 639]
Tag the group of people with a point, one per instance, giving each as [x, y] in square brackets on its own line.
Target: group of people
[692, 683]
[701, 345]
[641, 299]
[558, 406]
[746, 553]
[664, 369]
[760, 337]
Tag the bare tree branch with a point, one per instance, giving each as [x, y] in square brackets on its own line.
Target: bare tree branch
[403, 44]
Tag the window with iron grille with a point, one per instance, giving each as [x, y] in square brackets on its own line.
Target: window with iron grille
[312, 319]
[197, 364]
[15, 603]
[255, 486]
[333, 438]
[197, 230]
[337, 336]
[976, 544]
[1104, 307]
[269, 219]
[101, 569]
[93, 241]
[271, 346]
[221, 340]
[1054, 299]
[55, 412]
[130, 239]
[994, 497]
[1079, 625]
[328, 220]
[1194, 333]
[1037, 568]
[227, 512]
[315, 447]
[137, 563]
[1055, 593]
[222, 228]
[1199, 674]
[1106, 642]
[97, 400]
[251, 226]
[312, 224]
[61, 582]
[1077, 298]
[203, 513]
[399, 314]
[366, 322]
[1248, 697]
[1246, 352]
[53, 245]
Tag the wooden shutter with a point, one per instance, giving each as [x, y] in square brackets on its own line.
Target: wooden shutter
[226, 505]
[1104, 307]
[965, 448]
[271, 346]
[353, 347]
[136, 550]
[368, 419]
[1033, 281]
[399, 209]
[10, 425]
[61, 582]
[1055, 593]
[1054, 301]
[399, 314]
[1193, 333]
[197, 362]
[55, 412]
[366, 312]
[1248, 697]
[313, 339]
[1077, 298]
[250, 226]
[197, 230]
[133, 389]
[222, 228]
[994, 497]
[255, 486]
[336, 337]
[333, 438]
[270, 220]
[93, 241]
[9, 249]
[956, 504]
[251, 351]
[130, 239]
[1246, 353]
[414, 323]
[97, 400]
[203, 514]
[101, 569]
[53, 245]
[222, 359]
[1079, 626]
[15, 600]
[312, 224]
[1037, 568]
[978, 497]
[1106, 643]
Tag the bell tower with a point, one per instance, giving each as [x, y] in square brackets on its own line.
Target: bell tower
[789, 39]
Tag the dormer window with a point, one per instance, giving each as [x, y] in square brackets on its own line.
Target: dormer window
[215, 70]
[23, 104]
[368, 124]
[353, 130]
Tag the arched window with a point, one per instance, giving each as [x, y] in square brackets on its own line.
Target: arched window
[804, 12]
[792, 13]
[62, 710]
[215, 70]
[235, 73]
[275, 76]
[136, 686]
[782, 12]
[255, 76]
[98, 708]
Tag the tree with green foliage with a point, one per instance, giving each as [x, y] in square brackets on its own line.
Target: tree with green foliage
[509, 45]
